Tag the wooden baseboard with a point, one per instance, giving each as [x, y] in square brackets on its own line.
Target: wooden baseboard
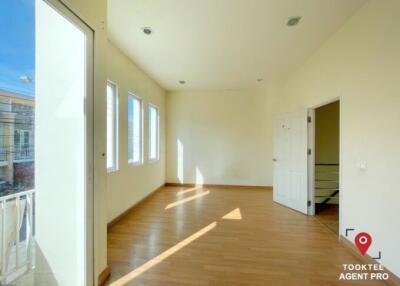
[366, 259]
[104, 275]
[122, 215]
[217, 186]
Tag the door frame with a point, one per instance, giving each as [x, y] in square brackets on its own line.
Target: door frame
[71, 16]
[311, 158]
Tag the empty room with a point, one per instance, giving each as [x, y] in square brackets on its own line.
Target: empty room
[199, 142]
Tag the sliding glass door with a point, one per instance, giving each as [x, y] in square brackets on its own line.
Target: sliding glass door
[63, 145]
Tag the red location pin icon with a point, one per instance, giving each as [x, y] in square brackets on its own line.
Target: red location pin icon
[363, 241]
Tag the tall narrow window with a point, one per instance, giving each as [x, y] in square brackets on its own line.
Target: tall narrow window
[135, 133]
[153, 133]
[112, 127]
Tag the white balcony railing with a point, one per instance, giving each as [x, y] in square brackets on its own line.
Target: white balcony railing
[16, 248]
[3, 154]
[23, 153]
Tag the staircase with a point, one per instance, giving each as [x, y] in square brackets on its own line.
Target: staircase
[326, 184]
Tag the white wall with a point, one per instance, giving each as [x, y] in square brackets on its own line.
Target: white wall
[361, 64]
[220, 137]
[130, 184]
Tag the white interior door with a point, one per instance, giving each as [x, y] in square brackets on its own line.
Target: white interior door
[290, 160]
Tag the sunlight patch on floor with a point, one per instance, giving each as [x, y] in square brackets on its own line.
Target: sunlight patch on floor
[183, 201]
[235, 214]
[124, 280]
[197, 188]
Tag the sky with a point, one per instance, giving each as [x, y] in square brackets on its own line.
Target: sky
[17, 45]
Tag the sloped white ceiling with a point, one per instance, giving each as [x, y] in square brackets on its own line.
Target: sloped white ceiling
[223, 44]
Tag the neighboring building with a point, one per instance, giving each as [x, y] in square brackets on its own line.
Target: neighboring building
[16, 142]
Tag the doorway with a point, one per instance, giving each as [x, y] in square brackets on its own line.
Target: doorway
[325, 169]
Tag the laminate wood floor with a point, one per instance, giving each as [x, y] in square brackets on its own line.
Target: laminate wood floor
[328, 215]
[178, 236]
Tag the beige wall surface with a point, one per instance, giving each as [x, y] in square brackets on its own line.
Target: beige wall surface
[327, 134]
[220, 137]
[360, 63]
[130, 184]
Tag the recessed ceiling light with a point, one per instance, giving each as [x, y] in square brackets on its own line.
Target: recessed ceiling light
[293, 21]
[147, 30]
[260, 79]
[182, 82]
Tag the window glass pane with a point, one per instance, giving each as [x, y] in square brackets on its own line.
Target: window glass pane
[16, 137]
[26, 138]
[134, 130]
[130, 129]
[153, 132]
[111, 124]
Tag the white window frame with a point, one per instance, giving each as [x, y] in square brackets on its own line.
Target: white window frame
[21, 133]
[131, 95]
[157, 133]
[115, 140]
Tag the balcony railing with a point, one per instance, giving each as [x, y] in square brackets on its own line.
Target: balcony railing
[18, 153]
[3, 154]
[23, 153]
[16, 235]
